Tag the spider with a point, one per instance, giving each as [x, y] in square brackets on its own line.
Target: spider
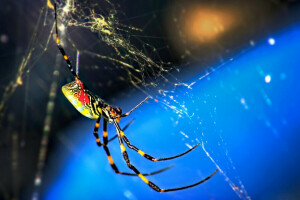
[91, 106]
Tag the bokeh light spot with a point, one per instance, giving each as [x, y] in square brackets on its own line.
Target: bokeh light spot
[271, 41]
[267, 78]
[206, 24]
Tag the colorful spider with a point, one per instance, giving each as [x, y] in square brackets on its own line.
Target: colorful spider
[91, 106]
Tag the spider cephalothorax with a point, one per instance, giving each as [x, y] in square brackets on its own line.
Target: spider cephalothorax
[94, 107]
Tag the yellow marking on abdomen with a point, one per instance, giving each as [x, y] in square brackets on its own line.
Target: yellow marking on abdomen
[65, 57]
[97, 140]
[143, 178]
[85, 112]
[97, 125]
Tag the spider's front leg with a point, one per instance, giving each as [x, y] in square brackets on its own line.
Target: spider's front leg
[147, 156]
[125, 155]
[125, 127]
[126, 114]
[149, 183]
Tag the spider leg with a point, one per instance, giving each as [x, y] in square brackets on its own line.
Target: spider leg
[110, 159]
[96, 128]
[61, 49]
[126, 114]
[147, 156]
[97, 124]
[123, 129]
[149, 183]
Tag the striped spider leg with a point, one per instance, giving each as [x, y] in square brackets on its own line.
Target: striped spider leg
[91, 106]
[149, 183]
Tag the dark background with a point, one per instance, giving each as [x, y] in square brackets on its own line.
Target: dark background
[23, 115]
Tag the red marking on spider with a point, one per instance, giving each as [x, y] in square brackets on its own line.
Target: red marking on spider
[82, 96]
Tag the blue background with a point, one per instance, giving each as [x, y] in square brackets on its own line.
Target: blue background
[249, 128]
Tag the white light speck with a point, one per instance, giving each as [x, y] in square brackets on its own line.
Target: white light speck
[268, 79]
[242, 100]
[128, 194]
[271, 41]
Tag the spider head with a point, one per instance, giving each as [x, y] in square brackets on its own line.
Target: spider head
[118, 111]
[115, 111]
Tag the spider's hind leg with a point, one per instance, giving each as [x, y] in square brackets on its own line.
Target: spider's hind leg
[96, 128]
[110, 159]
[61, 49]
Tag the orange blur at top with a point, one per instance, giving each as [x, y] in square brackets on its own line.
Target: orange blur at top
[202, 24]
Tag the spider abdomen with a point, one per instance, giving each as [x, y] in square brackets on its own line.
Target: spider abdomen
[76, 93]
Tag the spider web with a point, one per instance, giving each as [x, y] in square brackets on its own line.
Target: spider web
[135, 58]
[146, 70]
